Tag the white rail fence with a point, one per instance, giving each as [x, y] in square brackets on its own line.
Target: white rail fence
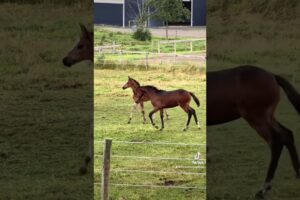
[107, 156]
[114, 54]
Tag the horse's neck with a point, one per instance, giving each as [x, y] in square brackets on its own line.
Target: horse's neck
[135, 89]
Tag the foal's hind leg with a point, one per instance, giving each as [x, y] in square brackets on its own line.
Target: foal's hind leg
[290, 144]
[89, 158]
[195, 117]
[131, 112]
[189, 112]
[267, 130]
[151, 115]
[143, 111]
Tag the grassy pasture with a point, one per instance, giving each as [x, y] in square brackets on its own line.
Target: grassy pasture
[112, 107]
[238, 157]
[44, 106]
[105, 37]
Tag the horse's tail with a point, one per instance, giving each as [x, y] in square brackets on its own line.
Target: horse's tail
[290, 91]
[195, 99]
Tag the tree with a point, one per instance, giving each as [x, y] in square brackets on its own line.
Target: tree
[169, 11]
[140, 9]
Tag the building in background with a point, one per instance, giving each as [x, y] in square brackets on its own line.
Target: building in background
[124, 12]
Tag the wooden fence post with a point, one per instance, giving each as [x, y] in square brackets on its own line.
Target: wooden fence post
[158, 46]
[147, 55]
[175, 48]
[114, 47]
[106, 169]
[191, 45]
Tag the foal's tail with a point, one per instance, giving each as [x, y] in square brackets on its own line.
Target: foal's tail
[290, 91]
[195, 99]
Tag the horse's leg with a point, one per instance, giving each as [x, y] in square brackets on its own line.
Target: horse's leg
[131, 112]
[162, 119]
[89, 157]
[290, 144]
[167, 115]
[267, 130]
[195, 117]
[276, 149]
[151, 115]
[189, 112]
[143, 111]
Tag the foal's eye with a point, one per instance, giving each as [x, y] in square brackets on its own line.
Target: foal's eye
[80, 46]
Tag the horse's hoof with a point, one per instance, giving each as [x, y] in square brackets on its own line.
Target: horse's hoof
[156, 127]
[161, 129]
[82, 170]
[185, 129]
[259, 195]
[128, 122]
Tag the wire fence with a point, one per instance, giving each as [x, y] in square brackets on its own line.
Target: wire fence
[150, 60]
[199, 164]
[175, 53]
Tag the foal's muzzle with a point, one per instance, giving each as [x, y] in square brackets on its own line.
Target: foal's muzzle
[67, 61]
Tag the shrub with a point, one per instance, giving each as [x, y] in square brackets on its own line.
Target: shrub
[142, 35]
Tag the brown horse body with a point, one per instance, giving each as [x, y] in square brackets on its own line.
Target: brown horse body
[135, 86]
[253, 94]
[161, 99]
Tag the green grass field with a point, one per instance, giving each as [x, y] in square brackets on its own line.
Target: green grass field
[238, 157]
[44, 106]
[112, 107]
[128, 43]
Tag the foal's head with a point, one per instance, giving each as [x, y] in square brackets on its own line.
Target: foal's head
[131, 83]
[83, 50]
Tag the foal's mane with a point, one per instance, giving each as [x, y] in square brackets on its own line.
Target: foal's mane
[135, 81]
[153, 88]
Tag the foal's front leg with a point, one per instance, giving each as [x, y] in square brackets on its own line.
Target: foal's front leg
[131, 112]
[143, 111]
[162, 119]
[151, 119]
[167, 115]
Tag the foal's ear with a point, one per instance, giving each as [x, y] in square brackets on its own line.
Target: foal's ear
[84, 30]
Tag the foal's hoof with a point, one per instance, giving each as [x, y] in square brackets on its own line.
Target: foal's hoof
[161, 129]
[156, 127]
[82, 170]
[128, 122]
[185, 129]
[259, 194]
